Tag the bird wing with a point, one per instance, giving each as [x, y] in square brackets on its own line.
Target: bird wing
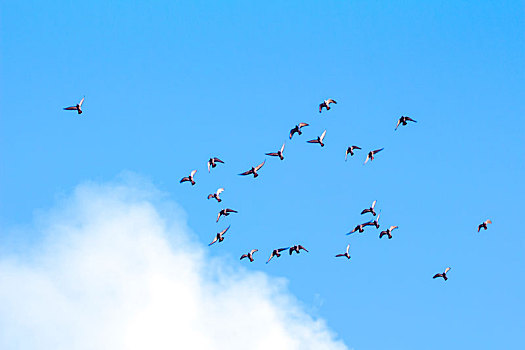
[259, 166]
[290, 250]
[398, 122]
[214, 240]
[270, 258]
[253, 251]
[378, 215]
[184, 179]
[81, 101]
[488, 222]
[193, 173]
[331, 101]
[210, 196]
[313, 141]
[412, 120]
[303, 248]
[231, 211]
[355, 229]
[322, 135]
[447, 269]
[293, 131]
[392, 228]
[437, 275]
[218, 160]
[224, 231]
[209, 163]
[367, 158]
[282, 148]
[365, 211]
[219, 191]
[72, 108]
[218, 217]
[321, 107]
[281, 249]
[272, 154]
[303, 124]
[374, 204]
[243, 256]
[347, 248]
[338, 255]
[356, 147]
[378, 150]
[247, 172]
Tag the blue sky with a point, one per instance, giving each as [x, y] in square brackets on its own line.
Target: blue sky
[169, 84]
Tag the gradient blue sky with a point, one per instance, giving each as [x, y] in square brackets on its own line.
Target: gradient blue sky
[169, 84]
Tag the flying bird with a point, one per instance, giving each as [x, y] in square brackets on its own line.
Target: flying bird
[279, 153]
[350, 150]
[212, 162]
[254, 170]
[219, 237]
[444, 274]
[388, 232]
[297, 249]
[276, 252]
[484, 225]
[77, 107]
[216, 195]
[371, 154]
[326, 104]
[225, 212]
[361, 227]
[189, 178]
[370, 210]
[376, 221]
[297, 129]
[249, 255]
[403, 121]
[346, 254]
[319, 139]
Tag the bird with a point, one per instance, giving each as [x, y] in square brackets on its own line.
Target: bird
[297, 249]
[370, 210]
[376, 221]
[319, 139]
[326, 104]
[444, 274]
[279, 153]
[350, 150]
[254, 170]
[249, 255]
[388, 232]
[225, 212]
[403, 120]
[484, 225]
[276, 252]
[189, 178]
[219, 237]
[361, 227]
[77, 107]
[212, 162]
[371, 155]
[216, 195]
[297, 129]
[346, 254]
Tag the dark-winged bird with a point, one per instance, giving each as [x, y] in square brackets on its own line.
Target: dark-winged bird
[346, 254]
[371, 154]
[249, 255]
[297, 249]
[297, 129]
[189, 178]
[279, 153]
[376, 221]
[326, 104]
[225, 212]
[361, 227]
[254, 170]
[319, 139]
[216, 195]
[484, 224]
[388, 232]
[276, 252]
[350, 150]
[370, 210]
[212, 162]
[77, 107]
[444, 274]
[219, 237]
[403, 121]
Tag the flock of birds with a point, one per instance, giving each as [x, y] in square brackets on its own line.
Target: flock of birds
[214, 161]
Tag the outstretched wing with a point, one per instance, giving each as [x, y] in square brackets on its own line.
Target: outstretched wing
[184, 179]
[243, 256]
[218, 160]
[374, 204]
[367, 158]
[313, 141]
[247, 172]
[193, 173]
[378, 150]
[272, 154]
[219, 191]
[260, 166]
[303, 124]
[210, 196]
[293, 131]
[218, 217]
[331, 101]
[322, 135]
[282, 148]
[81, 101]
[447, 269]
[281, 249]
[321, 107]
[253, 251]
[412, 120]
[356, 147]
[392, 228]
[224, 231]
[72, 108]
[303, 248]
[437, 275]
[488, 222]
[214, 240]
[398, 122]
[347, 248]
[231, 211]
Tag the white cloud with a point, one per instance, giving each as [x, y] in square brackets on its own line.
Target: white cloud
[118, 269]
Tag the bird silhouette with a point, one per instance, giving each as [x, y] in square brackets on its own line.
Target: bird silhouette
[326, 104]
[319, 139]
[212, 162]
[77, 107]
[346, 254]
[189, 178]
[370, 210]
[297, 129]
[279, 153]
[403, 121]
[219, 237]
[249, 255]
[350, 150]
[370, 155]
[388, 232]
[216, 195]
[276, 252]
[484, 224]
[225, 212]
[254, 170]
[444, 274]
